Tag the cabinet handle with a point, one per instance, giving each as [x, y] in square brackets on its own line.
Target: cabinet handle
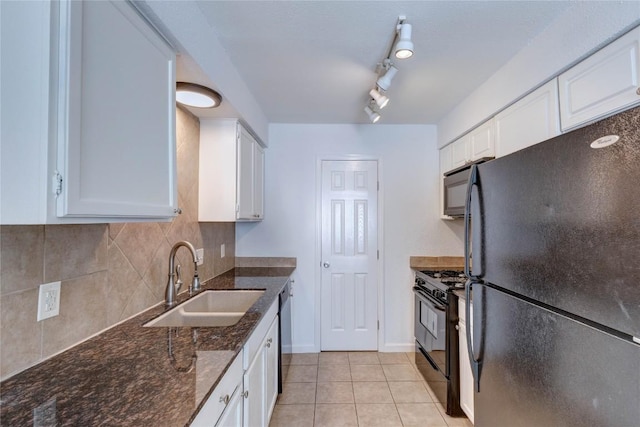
[246, 394]
[225, 399]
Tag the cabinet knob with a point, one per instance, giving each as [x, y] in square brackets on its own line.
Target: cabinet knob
[177, 211]
[326, 265]
[638, 91]
[246, 394]
[225, 399]
[457, 327]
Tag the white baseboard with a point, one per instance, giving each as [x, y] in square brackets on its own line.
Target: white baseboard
[397, 348]
[304, 348]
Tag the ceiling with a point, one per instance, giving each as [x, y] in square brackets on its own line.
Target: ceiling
[315, 61]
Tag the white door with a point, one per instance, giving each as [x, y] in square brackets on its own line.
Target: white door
[349, 302]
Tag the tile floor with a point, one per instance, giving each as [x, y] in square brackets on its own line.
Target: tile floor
[365, 389]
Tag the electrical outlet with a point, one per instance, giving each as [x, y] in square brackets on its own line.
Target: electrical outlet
[49, 300]
[200, 256]
[222, 250]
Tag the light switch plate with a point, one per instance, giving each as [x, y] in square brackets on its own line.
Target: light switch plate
[222, 250]
[200, 255]
[49, 300]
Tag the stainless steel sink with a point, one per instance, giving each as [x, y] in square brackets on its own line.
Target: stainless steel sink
[210, 308]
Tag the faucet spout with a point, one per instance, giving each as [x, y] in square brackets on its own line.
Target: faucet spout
[171, 291]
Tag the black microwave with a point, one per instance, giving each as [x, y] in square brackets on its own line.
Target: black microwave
[455, 188]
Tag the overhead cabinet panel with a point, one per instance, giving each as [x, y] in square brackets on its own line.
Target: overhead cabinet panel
[90, 135]
[605, 82]
[116, 114]
[231, 186]
[533, 119]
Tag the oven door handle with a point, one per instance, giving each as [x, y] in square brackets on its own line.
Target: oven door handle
[476, 363]
[429, 299]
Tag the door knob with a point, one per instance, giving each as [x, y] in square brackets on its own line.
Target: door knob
[326, 265]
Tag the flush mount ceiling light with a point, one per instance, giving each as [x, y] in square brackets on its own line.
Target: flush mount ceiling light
[380, 99]
[404, 47]
[373, 116]
[401, 48]
[194, 95]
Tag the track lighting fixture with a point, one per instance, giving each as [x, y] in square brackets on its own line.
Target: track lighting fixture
[385, 81]
[404, 47]
[401, 48]
[373, 116]
[380, 99]
[194, 95]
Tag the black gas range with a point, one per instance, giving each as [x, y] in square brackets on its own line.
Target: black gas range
[437, 347]
[439, 282]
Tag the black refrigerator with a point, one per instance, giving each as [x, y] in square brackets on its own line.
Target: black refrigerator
[553, 255]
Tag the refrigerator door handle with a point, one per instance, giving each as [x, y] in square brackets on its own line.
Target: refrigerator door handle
[473, 181]
[475, 363]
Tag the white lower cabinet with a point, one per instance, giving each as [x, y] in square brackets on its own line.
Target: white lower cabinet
[246, 394]
[261, 381]
[466, 376]
[233, 413]
[220, 399]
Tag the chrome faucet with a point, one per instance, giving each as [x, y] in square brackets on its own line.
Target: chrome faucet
[171, 292]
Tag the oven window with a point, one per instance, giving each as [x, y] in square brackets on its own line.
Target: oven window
[429, 319]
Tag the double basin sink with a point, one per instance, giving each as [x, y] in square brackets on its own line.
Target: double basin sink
[209, 309]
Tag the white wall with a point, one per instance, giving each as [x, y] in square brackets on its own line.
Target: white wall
[579, 31]
[408, 165]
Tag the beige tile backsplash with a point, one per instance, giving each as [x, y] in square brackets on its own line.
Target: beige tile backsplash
[109, 272]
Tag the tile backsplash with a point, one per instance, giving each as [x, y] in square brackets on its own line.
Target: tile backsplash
[109, 272]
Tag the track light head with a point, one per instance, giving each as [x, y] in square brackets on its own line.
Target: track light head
[373, 116]
[380, 99]
[404, 47]
[385, 81]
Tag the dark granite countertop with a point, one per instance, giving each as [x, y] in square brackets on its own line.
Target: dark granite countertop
[124, 376]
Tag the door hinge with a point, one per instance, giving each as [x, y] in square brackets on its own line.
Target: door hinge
[237, 208]
[57, 183]
[378, 253]
[378, 185]
[378, 325]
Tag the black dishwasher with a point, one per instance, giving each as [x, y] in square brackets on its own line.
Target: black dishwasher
[284, 332]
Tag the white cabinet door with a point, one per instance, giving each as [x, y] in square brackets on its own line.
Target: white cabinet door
[533, 119]
[478, 143]
[91, 88]
[258, 182]
[605, 82]
[466, 376]
[482, 141]
[246, 149]
[460, 152]
[271, 369]
[115, 114]
[254, 393]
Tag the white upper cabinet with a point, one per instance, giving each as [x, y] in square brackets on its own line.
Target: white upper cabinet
[92, 123]
[605, 82]
[478, 143]
[446, 164]
[231, 186]
[533, 119]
